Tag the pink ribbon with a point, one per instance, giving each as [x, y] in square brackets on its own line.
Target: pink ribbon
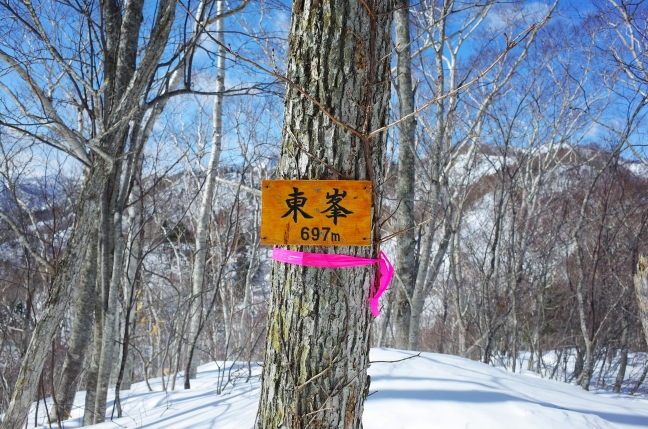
[340, 261]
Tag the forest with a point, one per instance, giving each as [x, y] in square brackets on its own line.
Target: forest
[504, 141]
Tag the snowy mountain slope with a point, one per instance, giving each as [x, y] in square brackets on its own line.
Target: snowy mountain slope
[428, 391]
[443, 391]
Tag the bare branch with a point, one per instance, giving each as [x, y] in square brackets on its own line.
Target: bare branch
[49, 267]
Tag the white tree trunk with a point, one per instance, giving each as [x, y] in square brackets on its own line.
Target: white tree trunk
[204, 216]
[245, 325]
[405, 266]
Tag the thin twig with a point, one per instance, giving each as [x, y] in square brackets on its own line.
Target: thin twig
[510, 45]
[394, 361]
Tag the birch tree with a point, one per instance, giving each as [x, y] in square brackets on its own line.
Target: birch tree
[447, 28]
[88, 88]
[405, 267]
[619, 33]
[198, 271]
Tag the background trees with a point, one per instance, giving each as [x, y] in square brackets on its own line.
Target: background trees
[513, 207]
[507, 182]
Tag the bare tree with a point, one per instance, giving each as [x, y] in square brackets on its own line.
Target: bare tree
[87, 114]
[441, 35]
[198, 271]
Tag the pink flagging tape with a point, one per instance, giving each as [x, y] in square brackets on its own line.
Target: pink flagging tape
[340, 261]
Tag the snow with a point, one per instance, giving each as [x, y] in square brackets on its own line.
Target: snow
[639, 169]
[458, 393]
[484, 165]
[430, 390]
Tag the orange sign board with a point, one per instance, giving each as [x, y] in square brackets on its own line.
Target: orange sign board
[316, 212]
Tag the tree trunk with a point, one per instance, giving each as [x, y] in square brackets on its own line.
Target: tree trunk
[93, 366]
[80, 334]
[641, 289]
[385, 322]
[405, 267]
[59, 297]
[132, 256]
[406, 332]
[514, 330]
[112, 271]
[132, 277]
[317, 344]
[245, 325]
[456, 281]
[421, 291]
[198, 272]
[588, 364]
[623, 362]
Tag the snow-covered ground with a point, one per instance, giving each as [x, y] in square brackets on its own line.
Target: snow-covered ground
[428, 391]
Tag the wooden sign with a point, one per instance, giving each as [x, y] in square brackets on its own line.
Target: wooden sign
[316, 212]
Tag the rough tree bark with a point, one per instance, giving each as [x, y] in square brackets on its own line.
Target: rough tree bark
[317, 344]
[641, 289]
[80, 334]
[93, 366]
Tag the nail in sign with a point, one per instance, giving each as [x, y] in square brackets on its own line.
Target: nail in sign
[316, 212]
